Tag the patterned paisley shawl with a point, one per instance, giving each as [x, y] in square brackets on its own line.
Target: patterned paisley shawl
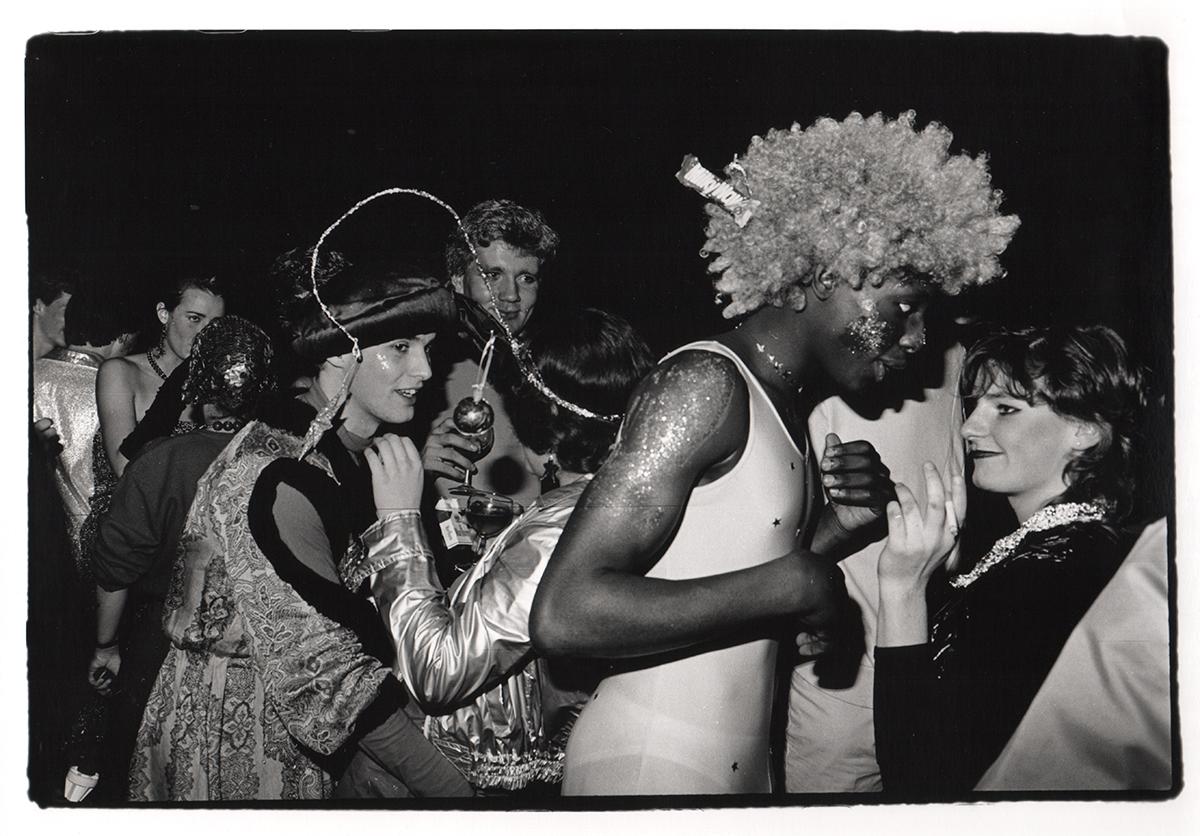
[258, 685]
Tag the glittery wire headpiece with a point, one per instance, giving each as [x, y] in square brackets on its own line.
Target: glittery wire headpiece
[324, 418]
[698, 178]
[528, 369]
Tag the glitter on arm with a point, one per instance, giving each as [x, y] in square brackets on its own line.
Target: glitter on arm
[690, 413]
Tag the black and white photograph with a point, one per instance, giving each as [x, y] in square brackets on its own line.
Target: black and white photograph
[602, 418]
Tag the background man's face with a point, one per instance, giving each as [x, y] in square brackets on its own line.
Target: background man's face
[512, 276]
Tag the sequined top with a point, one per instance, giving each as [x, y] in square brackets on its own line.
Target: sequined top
[64, 390]
[466, 654]
[945, 709]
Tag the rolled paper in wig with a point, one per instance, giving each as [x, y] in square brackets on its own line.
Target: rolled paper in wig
[698, 178]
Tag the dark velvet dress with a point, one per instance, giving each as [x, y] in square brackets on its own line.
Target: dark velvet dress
[945, 709]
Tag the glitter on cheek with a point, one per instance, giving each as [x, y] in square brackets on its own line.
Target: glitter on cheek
[381, 360]
[870, 335]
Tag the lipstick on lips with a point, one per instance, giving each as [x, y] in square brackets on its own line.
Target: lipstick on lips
[975, 454]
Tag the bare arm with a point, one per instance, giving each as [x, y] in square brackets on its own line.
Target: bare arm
[920, 538]
[106, 661]
[118, 412]
[690, 413]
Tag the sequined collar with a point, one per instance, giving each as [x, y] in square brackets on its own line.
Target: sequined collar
[74, 357]
[1051, 516]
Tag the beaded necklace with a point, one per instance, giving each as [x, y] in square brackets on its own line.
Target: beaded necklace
[225, 425]
[157, 369]
[1052, 516]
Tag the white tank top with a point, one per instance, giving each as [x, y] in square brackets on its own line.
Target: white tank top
[699, 724]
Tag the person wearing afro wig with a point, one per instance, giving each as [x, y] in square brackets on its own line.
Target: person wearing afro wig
[703, 530]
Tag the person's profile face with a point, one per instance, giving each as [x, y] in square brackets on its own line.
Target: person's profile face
[507, 285]
[51, 319]
[873, 331]
[183, 322]
[387, 383]
[1018, 448]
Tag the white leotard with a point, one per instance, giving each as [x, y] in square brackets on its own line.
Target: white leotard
[699, 724]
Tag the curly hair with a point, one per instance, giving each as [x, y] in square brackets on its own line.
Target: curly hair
[500, 220]
[1083, 373]
[861, 199]
[593, 359]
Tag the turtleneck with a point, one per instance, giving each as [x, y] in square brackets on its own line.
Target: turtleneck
[314, 397]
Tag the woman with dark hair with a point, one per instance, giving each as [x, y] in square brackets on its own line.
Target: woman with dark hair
[127, 388]
[1052, 431]
[278, 677]
[127, 385]
[466, 654]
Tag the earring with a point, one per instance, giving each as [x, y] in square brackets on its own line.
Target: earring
[823, 284]
[161, 348]
[549, 477]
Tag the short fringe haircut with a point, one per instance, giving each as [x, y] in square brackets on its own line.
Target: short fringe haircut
[861, 199]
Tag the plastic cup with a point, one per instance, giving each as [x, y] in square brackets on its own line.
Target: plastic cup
[79, 785]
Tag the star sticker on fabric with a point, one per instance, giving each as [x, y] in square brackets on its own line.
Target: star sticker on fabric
[761, 348]
[735, 766]
[777, 522]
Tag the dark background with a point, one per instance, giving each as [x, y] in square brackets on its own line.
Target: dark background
[143, 148]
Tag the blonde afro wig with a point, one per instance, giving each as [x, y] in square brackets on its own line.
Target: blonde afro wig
[861, 199]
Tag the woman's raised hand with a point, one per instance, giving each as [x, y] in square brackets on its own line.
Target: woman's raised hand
[921, 537]
[396, 475]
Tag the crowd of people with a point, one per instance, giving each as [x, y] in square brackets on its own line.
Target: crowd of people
[740, 570]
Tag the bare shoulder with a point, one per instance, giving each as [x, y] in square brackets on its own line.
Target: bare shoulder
[690, 412]
[687, 396]
[119, 369]
[120, 376]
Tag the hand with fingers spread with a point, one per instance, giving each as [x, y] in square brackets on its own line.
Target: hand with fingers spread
[396, 475]
[448, 453]
[920, 538]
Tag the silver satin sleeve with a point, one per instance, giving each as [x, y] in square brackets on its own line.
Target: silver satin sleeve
[452, 646]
